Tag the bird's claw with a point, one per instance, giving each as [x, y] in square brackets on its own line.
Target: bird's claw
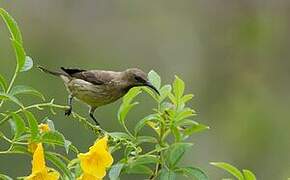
[68, 112]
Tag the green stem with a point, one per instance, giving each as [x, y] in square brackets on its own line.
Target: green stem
[8, 150]
[49, 104]
[13, 142]
[127, 130]
[12, 80]
[11, 84]
[96, 129]
[161, 144]
[155, 151]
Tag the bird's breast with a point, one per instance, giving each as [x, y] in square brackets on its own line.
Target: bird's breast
[94, 95]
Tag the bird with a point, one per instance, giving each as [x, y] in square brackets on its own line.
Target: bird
[99, 87]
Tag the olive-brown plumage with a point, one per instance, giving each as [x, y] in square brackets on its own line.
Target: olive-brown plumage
[98, 87]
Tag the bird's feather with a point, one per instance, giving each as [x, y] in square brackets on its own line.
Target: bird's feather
[71, 71]
[95, 77]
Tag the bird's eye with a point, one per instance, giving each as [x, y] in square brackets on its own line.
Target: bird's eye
[139, 79]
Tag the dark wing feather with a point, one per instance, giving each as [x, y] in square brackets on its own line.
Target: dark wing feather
[93, 76]
[71, 71]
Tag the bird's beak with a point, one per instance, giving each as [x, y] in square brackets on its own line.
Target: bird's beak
[148, 84]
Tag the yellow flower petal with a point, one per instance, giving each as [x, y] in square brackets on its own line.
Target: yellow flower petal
[107, 159]
[37, 176]
[31, 147]
[88, 177]
[100, 144]
[92, 163]
[38, 162]
[44, 176]
[39, 170]
[97, 159]
[43, 127]
[53, 175]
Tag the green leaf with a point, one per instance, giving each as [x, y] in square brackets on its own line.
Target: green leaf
[167, 106]
[155, 79]
[22, 89]
[119, 135]
[11, 25]
[115, 171]
[11, 98]
[33, 125]
[172, 98]
[126, 106]
[185, 113]
[18, 125]
[131, 95]
[146, 159]
[229, 168]
[74, 166]
[58, 163]
[125, 110]
[196, 127]
[67, 145]
[5, 177]
[178, 87]
[24, 137]
[55, 137]
[19, 149]
[175, 152]
[249, 175]
[50, 124]
[176, 133]
[150, 92]
[28, 64]
[20, 54]
[73, 163]
[166, 174]
[146, 139]
[3, 83]
[192, 172]
[143, 122]
[164, 92]
[138, 169]
[186, 98]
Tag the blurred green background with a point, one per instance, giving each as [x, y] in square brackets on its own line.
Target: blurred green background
[233, 55]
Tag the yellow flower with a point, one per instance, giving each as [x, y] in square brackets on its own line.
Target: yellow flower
[43, 127]
[88, 177]
[95, 162]
[39, 170]
[31, 147]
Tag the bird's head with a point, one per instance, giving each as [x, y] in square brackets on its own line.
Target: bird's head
[136, 77]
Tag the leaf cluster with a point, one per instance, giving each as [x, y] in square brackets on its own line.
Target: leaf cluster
[24, 125]
[245, 174]
[171, 123]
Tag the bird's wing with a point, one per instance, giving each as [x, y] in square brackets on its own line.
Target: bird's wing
[93, 76]
[71, 71]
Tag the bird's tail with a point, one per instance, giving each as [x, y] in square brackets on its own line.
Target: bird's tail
[51, 72]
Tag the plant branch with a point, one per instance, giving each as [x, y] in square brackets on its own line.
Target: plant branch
[127, 130]
[96, 129]
[13, 142]
[38, 106]
[161, 144]
[11, 84]
[8, 150]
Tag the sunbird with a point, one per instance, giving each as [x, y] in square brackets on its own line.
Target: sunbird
[99, 87]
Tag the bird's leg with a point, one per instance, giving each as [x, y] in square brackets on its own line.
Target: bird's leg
[69, 110]
[92, 110]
